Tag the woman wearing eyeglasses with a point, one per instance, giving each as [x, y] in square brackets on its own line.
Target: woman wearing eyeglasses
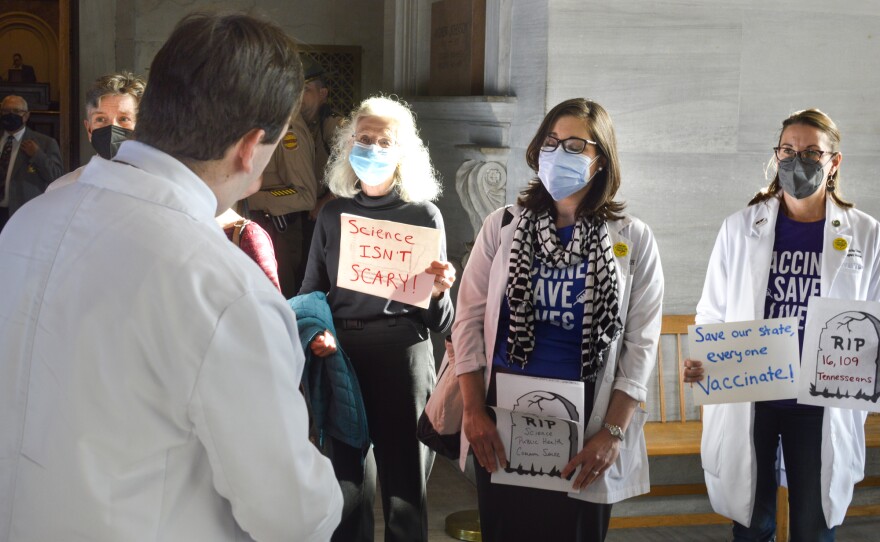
[567, 287]
[380, 169]
[797, 238]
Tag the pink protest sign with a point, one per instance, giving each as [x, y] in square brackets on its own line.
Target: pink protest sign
[387, 259]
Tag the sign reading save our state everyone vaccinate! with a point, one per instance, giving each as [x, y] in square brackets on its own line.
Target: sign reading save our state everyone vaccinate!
[387, 259]
[756, 360]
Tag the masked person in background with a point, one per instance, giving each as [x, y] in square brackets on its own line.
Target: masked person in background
[800, 216]
[29, 160]
[287, 193]
[323, 123]
[111, 114]
[380, 169]
[566, 234]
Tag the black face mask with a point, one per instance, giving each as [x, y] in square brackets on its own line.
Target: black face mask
[107, 139]
[11, 122]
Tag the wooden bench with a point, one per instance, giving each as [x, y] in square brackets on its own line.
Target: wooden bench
[675, 433]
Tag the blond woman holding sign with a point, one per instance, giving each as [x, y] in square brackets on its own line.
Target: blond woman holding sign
[380, 169]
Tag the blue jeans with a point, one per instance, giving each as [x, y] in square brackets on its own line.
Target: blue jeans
[801, 433]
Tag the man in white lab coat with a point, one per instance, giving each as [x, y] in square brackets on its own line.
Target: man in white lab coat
[148, 368]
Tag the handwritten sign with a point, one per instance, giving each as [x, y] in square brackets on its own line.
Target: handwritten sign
[387, 259]
[746, 361]
[545, 396]
[839, 364]
[538, 448]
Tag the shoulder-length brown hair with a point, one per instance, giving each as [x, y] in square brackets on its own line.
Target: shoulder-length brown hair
[823, 123]
[599, 199]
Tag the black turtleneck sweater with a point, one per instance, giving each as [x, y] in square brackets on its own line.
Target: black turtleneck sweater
[324, 259]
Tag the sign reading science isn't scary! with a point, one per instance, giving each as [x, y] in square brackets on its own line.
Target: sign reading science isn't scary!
[387, 259]
[746, 361]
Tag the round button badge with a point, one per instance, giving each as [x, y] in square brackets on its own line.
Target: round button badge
[621, 250]
[840, 244]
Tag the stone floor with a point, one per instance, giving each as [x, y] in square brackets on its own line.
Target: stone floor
[449, 491]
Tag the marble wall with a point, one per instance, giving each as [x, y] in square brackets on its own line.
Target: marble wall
[698, 90]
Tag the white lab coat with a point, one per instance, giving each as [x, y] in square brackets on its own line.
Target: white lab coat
[735, 290]
[630, 359]
[148, 371]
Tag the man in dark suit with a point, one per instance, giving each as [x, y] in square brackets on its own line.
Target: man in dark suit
[29, 160]
[20, 72]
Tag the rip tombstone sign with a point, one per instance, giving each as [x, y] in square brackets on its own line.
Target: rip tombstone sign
[840, 355]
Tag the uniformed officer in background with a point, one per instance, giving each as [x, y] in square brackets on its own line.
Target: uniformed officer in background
[288, 193]
[322, 122]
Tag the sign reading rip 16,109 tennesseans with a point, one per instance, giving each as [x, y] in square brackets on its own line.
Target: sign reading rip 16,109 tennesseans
[841, 355]
[387, 259]
[746, 361]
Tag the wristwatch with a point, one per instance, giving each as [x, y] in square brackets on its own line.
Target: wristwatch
[615, 430]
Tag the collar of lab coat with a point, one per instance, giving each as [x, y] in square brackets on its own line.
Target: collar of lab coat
[146, 173]
[763, 230]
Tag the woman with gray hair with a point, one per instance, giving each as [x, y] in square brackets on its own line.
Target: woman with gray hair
[380, 169]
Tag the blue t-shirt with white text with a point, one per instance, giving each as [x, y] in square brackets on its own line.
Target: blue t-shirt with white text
[558, 303]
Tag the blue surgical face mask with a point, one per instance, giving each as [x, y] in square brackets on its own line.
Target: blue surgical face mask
[372, 164]
[563, 173]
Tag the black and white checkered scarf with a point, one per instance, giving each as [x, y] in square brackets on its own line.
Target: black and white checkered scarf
[535, 236]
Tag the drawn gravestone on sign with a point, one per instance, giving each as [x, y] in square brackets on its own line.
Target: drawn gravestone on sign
[544, 396]
[538, 448]
[840, 359]
[387, 259]
[538, 420]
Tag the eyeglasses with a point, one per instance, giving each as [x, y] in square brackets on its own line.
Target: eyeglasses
[784, 154]
[6, 111]
[571, 145]
[366, 139]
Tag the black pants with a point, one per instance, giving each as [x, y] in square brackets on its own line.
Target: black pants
[800, 430]
[525, 514]
[394, 363]
[288, 249]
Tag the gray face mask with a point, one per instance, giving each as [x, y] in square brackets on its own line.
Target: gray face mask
[800, 179]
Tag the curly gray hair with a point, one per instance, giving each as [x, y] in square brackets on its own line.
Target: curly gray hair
[415, 177]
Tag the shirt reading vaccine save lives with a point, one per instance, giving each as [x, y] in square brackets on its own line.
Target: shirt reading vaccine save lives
[795, 270]
[558, 302]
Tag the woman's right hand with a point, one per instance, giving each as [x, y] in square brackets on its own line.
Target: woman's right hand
[483, 436]
[692, 370]
[323, 345]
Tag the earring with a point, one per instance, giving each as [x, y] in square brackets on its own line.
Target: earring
[830, 186]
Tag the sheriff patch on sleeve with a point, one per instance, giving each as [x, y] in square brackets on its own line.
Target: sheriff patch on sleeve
[290, 143]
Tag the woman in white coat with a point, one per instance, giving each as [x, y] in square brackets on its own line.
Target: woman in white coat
[568, 235]
[800, 217]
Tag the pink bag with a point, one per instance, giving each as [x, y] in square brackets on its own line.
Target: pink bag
[439, 426]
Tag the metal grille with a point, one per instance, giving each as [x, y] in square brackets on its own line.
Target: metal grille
[343, 74]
